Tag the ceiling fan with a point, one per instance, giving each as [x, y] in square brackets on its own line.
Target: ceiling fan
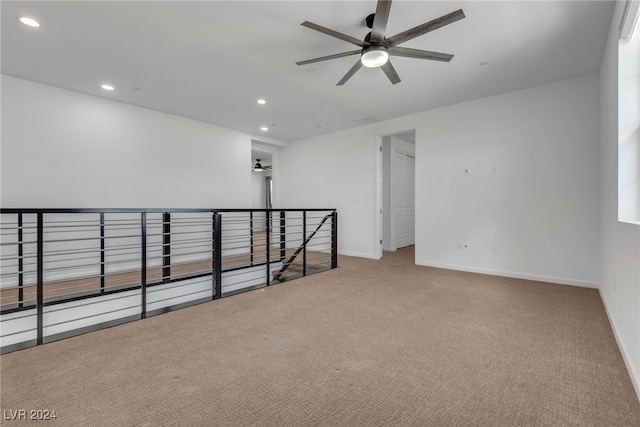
[259, 168]
[375, 49]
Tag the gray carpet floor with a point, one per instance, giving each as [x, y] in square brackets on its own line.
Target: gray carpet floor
[372, 343]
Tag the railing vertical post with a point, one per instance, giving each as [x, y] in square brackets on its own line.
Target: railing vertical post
[143, 266]
[334, 240]
[304, 243]
[20, 262]
[40, 278]
[102, 269]
[283, 231]
[166, 246]
[217, 255]
[251, 235]
[268, 243]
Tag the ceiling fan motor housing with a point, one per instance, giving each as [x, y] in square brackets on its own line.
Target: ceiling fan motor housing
[369, 20]
[374, 55]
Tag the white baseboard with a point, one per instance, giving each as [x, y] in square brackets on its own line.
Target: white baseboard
[635, 379]
[536, 278]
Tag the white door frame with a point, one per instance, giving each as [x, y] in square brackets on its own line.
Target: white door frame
[377, 213]
[274, 150]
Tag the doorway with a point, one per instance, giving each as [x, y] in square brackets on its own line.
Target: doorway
[397, 190]
[261, 185]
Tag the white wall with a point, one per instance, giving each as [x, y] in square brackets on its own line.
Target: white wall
[334, 171]
[539, 209]
[531, 191]
[65, 149]
[620, 254]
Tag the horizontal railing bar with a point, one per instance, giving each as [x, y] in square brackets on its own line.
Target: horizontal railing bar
[18, 272]
[30, 242]
[180, 224]
[183, 245]
[17, 257]
[183, 295]
[174, 233]
[179, 242]
[131, 236]
[149, 210]
[17, 265]
[20, 332]
[238, 270]
[96, 264]
[96, 254]
[179, 254]
[87, 317]
[62, 252]
[121, 247]
[93, 225]
[156, 289]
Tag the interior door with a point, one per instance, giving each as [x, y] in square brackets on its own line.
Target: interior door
[403, 195]
[411, 200]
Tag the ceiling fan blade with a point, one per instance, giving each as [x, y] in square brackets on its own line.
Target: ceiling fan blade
[419, 54]
[380, 21]
[391, 72]
[333, 33]
[324, 58]
[350, 73]
[425, 28]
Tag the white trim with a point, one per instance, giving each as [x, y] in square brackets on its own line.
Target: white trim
[629, 21]
[377, 205]
[623, 349]
[274, 149]
[502, 273]
[377, 182]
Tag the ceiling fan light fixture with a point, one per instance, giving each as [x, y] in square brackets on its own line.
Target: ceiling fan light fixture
[258, 167]
[374, 56]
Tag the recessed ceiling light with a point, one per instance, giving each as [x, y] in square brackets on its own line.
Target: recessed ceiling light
[29, 21]
[107, 87]
[264, 128]
[321, 125]
[261, 101]
[484, 63]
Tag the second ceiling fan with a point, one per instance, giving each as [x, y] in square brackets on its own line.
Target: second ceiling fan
[375, 49]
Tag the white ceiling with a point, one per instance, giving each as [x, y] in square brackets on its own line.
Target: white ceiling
[211, 61]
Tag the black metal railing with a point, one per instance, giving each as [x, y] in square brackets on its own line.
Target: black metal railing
[68, 271]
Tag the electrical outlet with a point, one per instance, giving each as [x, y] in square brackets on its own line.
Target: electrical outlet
[494, 170]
